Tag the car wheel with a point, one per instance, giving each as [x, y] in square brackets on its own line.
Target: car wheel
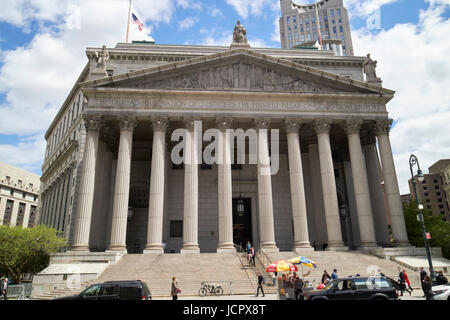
[202, 292]
[218, 291]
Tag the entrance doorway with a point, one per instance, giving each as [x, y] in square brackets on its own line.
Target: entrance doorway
[242, 221]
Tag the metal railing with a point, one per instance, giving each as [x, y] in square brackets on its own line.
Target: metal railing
[16, 291]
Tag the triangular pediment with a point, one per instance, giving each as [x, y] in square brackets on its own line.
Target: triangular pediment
[237, 70]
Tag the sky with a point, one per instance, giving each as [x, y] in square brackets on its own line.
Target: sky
[43, 42]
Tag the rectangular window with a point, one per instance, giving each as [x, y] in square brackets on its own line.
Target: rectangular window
[338, 11]
[294, 19]
[288, 19]
[332, 13]
[176, 228]
[334, 29]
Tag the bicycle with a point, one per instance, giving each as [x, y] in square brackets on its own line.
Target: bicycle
[211, 288]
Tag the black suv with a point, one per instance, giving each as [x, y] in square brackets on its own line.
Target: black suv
[114, 290]
[356, 288]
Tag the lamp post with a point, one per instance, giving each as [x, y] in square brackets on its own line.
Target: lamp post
[414, 161]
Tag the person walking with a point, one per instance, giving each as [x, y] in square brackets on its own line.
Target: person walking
[4, 288]
[407, 282]
[252, 251]
[427, 289]
[334, 274]
[423, 274]
[174, 289]
[298, 288]
[249, 245]
[260, 284]
[164, 245]
[401, 280]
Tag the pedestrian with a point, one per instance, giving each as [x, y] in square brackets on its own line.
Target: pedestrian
[164, 245]
[401, 280]
[334, 274]
[260, 284]
[423, 274]
[249, 245]
[407, 282]
[298, 288]
[4, 288]
[252, 250]
[174, 289]
[325, 276]
[274, 278]
[441, 279]
[427, 287]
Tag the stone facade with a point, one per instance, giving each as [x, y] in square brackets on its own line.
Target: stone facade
[109, 182]
[19, 197]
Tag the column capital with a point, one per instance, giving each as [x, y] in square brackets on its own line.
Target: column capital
[127, 124]
[160, 124]
[92, 122]
[224, 123]
[352, 126]
[292, 125]
[262, 123]
[322, 126]
[383, 126]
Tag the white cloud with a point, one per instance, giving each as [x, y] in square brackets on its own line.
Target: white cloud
[189, 4]
[215, 12]
[253, 7]
[27, 154]
[187, 23]
[413, 61]
[364, 8]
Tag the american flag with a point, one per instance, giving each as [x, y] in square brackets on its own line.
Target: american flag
[136, 20]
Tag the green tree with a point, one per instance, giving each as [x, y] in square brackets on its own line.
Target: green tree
[27, 250]
[438, 229]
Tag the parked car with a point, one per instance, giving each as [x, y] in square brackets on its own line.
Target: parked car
[114, 290]
[441, 292]
[355, 288]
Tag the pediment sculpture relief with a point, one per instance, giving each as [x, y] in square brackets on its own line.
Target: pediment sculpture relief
[236, 76]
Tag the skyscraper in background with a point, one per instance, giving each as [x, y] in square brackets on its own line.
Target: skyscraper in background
[298, 25]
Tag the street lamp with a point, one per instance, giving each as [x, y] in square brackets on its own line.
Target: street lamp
[414, 161]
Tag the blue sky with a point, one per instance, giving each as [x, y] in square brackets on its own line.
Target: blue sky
[42, 47]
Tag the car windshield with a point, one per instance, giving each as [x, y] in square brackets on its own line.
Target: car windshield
[329, 285]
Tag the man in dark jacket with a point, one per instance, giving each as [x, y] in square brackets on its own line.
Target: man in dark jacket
[298, 288]
[260, 285]
[441, 279]
[401, 280]
[423, 274]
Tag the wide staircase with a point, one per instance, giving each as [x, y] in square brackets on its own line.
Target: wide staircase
[233, 271]
[347, 263]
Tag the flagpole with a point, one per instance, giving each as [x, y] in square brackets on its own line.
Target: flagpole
[318, 26]
[128, 24]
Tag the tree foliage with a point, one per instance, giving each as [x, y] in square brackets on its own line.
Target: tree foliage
[27, 250]
[438, 229]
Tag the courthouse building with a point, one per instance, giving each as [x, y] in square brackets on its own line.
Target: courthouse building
[109, 183]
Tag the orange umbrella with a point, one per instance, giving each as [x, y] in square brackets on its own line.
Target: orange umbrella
[281, 265]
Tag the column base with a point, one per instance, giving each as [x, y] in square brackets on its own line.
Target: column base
[153, 251]
[402, 244]
[270, 248]
[118, 248]
[79, 248]
[226, 248]
[336, 248]
[368, 247]
[193, 248]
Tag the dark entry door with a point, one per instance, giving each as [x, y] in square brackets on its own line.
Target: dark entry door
[242, 222]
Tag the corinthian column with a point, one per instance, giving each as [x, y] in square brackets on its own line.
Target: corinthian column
[80, 240]
[301, 236]
[265, 204]
[157, 185]
[122, 188]
[391, 185]
[224, 182]
[191, 161]
[322, 128]
[361, 185]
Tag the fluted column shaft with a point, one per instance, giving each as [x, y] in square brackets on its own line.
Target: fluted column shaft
[26, 217]
[190, 221]
[360, 184]
[391, 185]
[299, 215]
[157, 187]
[330, 200]
[225, 194]
[87, 184]
[265, 202]
[122, 188]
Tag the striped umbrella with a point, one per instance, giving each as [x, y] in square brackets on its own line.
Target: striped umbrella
[303, 261]
[281, 265]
